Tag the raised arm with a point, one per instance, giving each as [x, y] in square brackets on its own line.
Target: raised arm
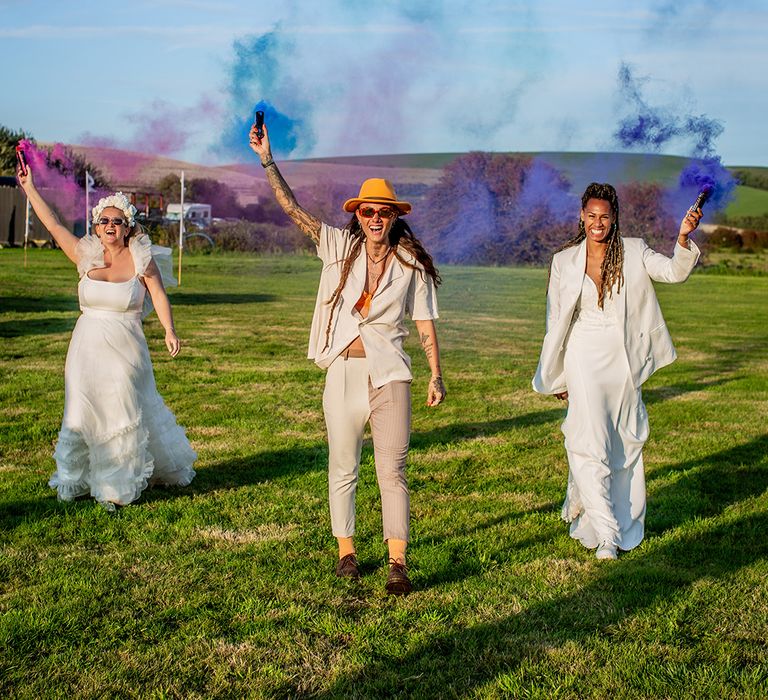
[64, 238]
[306, 222]
[677, 268]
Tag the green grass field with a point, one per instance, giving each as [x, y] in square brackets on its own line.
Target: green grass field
[226, 589]
[748, 201]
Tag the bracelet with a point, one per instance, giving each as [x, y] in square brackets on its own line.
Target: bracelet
[268, 163]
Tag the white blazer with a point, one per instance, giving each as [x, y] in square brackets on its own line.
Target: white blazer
[646, 339]
[402, 291]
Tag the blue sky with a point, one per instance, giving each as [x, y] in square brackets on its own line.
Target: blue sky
[180, 77]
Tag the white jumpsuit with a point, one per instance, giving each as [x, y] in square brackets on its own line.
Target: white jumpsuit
[605, 429]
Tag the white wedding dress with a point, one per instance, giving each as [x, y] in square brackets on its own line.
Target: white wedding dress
[605, 429]
[117, 435]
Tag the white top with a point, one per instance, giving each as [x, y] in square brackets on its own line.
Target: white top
[90, 255]
[587, 312]
[402, 291]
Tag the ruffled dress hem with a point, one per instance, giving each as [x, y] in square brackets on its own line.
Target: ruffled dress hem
[118, 467]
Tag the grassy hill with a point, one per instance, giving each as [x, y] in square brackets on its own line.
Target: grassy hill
[749, 201]
[139, 172]
[581, 169]
[617, 168]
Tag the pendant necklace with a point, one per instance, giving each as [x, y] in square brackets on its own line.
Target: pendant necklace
[373, 278]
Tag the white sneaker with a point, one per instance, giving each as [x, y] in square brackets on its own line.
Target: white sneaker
[606, 550]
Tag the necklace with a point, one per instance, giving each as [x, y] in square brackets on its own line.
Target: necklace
[374, 277]
[383, 257]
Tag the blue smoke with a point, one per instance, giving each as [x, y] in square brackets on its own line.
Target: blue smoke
[650, 128]
[255, 74]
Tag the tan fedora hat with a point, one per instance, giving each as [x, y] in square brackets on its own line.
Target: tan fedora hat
[377, 191]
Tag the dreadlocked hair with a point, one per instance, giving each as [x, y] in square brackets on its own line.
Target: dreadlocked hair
[612, 268]
[400, 235]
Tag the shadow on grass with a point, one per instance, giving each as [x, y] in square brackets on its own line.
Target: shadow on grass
[670, 391]
[227, 474]
[15, 513]
[37, 305]
[705, 486]
[32, 304]
[195, 298]
[474, 429]
[259, 467]
[463, 559]
[729, 364]
[43, 326]
[463, 660]
[293, 461]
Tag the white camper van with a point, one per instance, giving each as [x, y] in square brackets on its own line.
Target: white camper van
[195, 214]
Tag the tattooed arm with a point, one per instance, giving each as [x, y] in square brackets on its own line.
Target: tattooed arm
[428, 337]
[285, 198]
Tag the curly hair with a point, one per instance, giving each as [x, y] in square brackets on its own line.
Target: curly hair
[612, 268]
[400, 235]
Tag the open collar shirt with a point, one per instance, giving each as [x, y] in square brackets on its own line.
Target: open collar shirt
[402, 292]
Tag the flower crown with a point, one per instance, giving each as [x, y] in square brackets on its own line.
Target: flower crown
[119, 201]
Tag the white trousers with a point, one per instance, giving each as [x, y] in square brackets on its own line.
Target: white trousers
[605, 430]
[349, 402]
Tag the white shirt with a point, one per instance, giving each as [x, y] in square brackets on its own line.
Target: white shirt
[402, 291]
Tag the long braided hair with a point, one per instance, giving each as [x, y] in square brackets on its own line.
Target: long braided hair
[612, 269]
[400, 235]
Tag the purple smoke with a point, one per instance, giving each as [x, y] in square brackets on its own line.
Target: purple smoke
[544, 186]
[698, 175]
[650, 128]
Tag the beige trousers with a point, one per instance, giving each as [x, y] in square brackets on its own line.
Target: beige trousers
[349, 402]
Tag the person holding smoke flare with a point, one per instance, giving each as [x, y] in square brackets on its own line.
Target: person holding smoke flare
[117, 435]
[605, 336]
[375, 272]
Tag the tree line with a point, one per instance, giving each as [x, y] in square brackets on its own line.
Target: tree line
[487, 208]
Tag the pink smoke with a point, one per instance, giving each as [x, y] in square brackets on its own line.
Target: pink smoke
[159, 128]
[54, 175]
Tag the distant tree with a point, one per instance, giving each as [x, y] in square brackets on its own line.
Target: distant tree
[221, 197]
[642, 213]
[73, 165]
[170, 187]
[495, 209]
[267, 211]
[752, 178]
[8, 140]
[326, 198]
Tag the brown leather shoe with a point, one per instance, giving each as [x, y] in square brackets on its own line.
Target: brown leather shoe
[398, 582]
[347, 567]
